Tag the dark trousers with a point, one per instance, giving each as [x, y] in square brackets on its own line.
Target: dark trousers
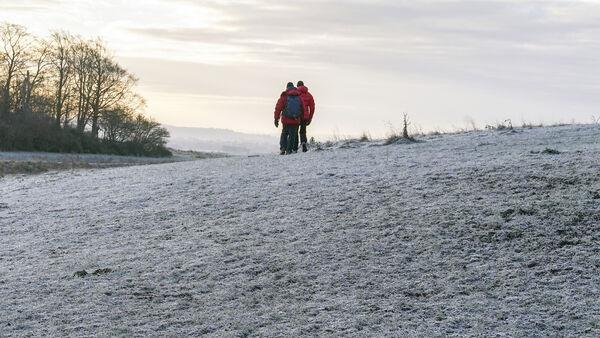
[302, 135]
[289, 138]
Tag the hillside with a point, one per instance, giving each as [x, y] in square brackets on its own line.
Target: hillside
[221, 140]
[16, 163]
[478, 234]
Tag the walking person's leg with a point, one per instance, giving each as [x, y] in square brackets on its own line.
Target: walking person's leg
[283, 140]
[293, 139]
[303, 138]
[296, 144]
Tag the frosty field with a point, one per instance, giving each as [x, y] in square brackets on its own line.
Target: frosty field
[478, 234]
[15, 163]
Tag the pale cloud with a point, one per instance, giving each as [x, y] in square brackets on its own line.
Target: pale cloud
[28, 5]
[438, 60]
[476, 39]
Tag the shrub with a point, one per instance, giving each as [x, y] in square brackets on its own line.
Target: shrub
[31, 132]
[394, 136]
[504, 125]
[365, 137]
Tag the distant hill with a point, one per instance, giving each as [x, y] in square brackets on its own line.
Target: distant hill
[220, 140]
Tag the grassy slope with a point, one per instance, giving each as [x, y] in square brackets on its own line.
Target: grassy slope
[12, 163]
[475, 234]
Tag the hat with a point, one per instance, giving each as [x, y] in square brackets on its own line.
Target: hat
[290, 85]
[300, 83]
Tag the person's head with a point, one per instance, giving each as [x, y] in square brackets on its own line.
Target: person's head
[290, 85]
[300, 83]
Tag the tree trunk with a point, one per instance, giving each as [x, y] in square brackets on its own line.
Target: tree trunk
[95, 127]
[4, 103]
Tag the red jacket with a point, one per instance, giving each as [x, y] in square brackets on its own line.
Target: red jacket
[308, 102]
[281, 105]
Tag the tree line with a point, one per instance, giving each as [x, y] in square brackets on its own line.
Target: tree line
[65, 93]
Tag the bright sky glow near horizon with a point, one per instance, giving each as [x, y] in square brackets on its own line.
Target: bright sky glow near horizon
[223, 64]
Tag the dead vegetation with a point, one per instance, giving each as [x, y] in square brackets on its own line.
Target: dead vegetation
[394, 136]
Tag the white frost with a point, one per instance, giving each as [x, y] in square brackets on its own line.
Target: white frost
[468, 234]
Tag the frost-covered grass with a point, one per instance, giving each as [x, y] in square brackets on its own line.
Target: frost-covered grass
[12, 163]
[478, 234]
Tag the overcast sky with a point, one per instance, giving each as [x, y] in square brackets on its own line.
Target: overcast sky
[224, 63]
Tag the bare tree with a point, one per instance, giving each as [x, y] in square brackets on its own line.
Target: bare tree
[117, 124]
[83, 55]
[62, 73]
[37, 71]
[406, 123]
[53, 82]
[112, 85]
[14, 45]
[101, 84]
[148, 132]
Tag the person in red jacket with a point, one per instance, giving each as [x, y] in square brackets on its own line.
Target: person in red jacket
[290, 110]
[309, 110]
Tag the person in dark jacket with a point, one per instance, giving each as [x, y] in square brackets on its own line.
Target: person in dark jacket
[309, 110]
[290, 110]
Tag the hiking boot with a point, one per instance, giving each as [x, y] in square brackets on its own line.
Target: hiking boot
[304, 147]
[282, 152]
